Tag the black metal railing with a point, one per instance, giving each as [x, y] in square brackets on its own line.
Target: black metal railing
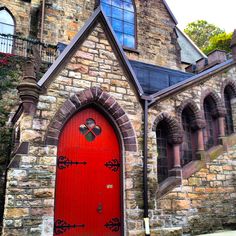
[16, 45]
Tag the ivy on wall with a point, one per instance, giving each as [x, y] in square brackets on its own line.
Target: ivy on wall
[10, 72]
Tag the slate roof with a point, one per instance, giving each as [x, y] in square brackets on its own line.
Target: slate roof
[190, 53]
[155, 78]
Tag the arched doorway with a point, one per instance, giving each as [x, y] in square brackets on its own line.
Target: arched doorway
[88, 197]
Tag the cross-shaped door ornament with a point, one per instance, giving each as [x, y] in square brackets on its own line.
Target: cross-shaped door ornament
[90, 130]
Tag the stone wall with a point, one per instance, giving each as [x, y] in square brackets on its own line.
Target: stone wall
[63, 19]
[31, 178]
[155, 29]
[205, 202]
[21, 11]
[156, 40]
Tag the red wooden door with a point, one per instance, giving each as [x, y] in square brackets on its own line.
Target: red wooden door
[88, 180]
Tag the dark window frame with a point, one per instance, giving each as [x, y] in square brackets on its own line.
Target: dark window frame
[211, 131]
[132, 49]
[189, 146]
[229, 125]
[165, 152]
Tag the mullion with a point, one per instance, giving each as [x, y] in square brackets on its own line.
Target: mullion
[90, 130]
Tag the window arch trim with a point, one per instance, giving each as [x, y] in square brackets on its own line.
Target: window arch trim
[190, 126]
[232, 84]
[198, 122]
[98, 3]
[175, 130]
[228, 89]
[220, 110]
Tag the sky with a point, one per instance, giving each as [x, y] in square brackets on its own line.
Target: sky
[218, 12]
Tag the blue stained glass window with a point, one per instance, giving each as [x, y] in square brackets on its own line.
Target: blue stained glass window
[117, 13]
[129, 17]
[128, 6]
[106, 1]
[120, 37]
[129, 28]
[117, 3]
[128, 40]
[121, 16]
[117, 25]
[107, 9]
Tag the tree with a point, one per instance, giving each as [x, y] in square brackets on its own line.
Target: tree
[201, 32]
[221, 42]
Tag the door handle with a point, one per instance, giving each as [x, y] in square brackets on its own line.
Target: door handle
[99, 209]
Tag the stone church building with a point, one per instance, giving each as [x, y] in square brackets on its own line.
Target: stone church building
[129, 129]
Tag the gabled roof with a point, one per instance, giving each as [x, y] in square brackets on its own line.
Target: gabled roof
[190, 53]
[97, 16]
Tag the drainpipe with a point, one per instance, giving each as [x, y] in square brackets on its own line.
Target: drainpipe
[42, 20]
[145, 178]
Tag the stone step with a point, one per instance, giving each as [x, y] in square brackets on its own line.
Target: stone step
[221, 233]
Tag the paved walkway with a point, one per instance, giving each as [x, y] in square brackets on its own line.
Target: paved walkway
[222, 233]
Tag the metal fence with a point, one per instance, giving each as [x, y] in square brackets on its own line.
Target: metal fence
[18, 46]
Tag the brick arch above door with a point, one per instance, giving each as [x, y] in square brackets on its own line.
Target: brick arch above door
[90, 96]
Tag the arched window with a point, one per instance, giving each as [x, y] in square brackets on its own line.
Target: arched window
[188, 146]
[211, 131]
[7, 27]
[121, 14]
[164, 151]
[228, 95]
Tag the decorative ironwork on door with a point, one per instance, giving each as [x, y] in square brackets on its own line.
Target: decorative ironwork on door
[114, 225]
[63, 162]
[114, 165]
[61, 226]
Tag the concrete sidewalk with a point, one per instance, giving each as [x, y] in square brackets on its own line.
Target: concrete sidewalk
[221, 233]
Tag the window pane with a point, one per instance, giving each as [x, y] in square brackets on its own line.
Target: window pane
[117, 25]
[121, 15]
[129, 41]
[6, 18]
[128, 28]
[83, 129]
[110, 19]
[97, 130]
[129, 17]
[117, 3]
[106, 1]
[107, 9]
[117, 13]
[90, 137]
[120, 37]
[128, 7]
[229, 125]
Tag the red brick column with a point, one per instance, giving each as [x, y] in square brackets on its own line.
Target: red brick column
[176, 151]
[200, 142]
[221, 123]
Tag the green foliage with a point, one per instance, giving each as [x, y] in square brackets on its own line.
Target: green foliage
[9, 75]
[221, 42]
[201, 32]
